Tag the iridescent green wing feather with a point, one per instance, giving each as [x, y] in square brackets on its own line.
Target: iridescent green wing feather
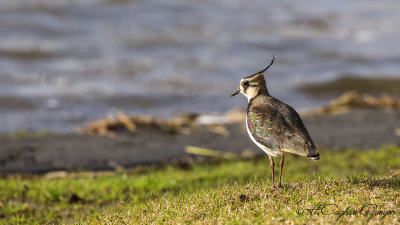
[268, 127]
[276, 128]
[299, 141]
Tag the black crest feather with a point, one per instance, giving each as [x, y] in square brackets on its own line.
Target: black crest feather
[263, 70]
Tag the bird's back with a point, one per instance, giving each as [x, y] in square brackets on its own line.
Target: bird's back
[279, 127]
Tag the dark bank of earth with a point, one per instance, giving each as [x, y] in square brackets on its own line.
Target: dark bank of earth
[361, 129]
[351, 82]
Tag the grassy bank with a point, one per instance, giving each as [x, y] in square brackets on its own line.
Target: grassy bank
[224, 191]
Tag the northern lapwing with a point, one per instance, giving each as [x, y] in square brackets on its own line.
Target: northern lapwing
[272, 125]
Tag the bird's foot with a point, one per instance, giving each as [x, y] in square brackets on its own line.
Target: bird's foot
[273, 188]
[280, 186]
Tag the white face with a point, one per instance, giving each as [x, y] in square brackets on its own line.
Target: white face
[241, 87]
[251, 86]
[248, 89]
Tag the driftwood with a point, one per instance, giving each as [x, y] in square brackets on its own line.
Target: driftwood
[183, 124]
[122, 122]
[352, 99]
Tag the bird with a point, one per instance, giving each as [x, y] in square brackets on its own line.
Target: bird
[272, 125]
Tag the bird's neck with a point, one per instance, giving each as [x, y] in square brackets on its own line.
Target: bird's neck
[260, 92]
[264, 91]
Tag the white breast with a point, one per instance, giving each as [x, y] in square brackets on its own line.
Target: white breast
[269, 151]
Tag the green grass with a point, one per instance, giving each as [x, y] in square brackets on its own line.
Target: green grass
[234, 192]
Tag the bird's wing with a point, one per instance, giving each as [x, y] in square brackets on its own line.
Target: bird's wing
[277, 130]
[300, 139]
[267, 126]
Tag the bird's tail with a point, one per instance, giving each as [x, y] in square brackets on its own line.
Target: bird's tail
[313, 153]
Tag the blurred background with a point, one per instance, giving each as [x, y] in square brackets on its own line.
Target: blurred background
[64, 63]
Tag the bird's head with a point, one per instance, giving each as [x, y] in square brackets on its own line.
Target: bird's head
[254, 84]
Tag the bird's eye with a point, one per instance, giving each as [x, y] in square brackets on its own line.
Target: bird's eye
[246, 83]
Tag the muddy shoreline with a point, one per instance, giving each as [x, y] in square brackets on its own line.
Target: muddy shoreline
[360, 129]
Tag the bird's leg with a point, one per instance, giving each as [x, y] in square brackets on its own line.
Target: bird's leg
[271, 162]
[280, 171]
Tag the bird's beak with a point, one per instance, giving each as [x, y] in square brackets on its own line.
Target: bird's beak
[236, 92]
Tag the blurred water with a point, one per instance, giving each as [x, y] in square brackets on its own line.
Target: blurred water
[63, 63]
